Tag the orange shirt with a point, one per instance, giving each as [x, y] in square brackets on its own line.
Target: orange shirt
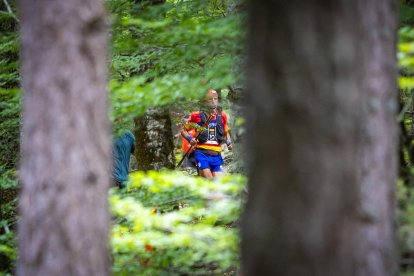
[185, 146]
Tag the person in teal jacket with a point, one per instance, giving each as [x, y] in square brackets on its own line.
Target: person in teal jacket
[123, 147]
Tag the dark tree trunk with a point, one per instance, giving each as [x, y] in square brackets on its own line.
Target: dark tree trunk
[154, 140]
[235, 98]
[153, 132]
[65, 145]
[321, 116]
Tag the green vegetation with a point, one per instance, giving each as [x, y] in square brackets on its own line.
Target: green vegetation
[9, 137]
[162, 53]
[171, 224]
[405, 198]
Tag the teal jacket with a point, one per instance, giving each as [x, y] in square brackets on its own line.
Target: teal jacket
[123, 146]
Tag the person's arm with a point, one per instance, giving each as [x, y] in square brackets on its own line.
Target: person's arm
[187, 136]
[228, 141]
[227, 131]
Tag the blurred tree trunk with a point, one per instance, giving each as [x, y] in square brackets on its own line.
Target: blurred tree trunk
[65, 145]
[321, 114]
[154, 140]
[235, 98]
[153, 131]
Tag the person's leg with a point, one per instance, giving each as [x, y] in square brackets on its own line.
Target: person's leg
[203, 165]
[217, 174]
[206, 173]
[216, 164]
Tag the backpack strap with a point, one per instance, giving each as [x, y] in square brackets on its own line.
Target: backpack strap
[203, 116]
[219, 119]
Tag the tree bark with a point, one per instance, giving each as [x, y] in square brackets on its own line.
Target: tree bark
[235, 98]
[154, 140]
[65, 146]
[321, 116]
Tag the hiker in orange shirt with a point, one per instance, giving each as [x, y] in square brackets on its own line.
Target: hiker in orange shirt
[212, 132]
[189, 161]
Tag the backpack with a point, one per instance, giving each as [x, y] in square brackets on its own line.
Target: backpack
[219, 131]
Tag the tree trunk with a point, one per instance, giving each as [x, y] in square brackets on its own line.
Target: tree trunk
[235, 98]
[65, 145]
[154, 140]
[321, 116]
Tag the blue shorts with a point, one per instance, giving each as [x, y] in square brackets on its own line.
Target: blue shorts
[205, 161]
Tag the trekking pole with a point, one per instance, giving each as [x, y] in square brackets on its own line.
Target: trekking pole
[198, 136]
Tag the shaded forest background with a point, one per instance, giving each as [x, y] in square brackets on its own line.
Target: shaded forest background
[164, 53]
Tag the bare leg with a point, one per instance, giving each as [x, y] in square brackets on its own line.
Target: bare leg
[206, 173]
[217, 174]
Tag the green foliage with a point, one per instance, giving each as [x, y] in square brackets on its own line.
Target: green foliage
[406, 57]
[8, 245]
[8, 219]
[406, 13]
[9, 94]
[167, 223]
[162, 53]
[9, 136]
[8, 179]
[405, 218]
[9, 127]
[9, 73]
[7, 241]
